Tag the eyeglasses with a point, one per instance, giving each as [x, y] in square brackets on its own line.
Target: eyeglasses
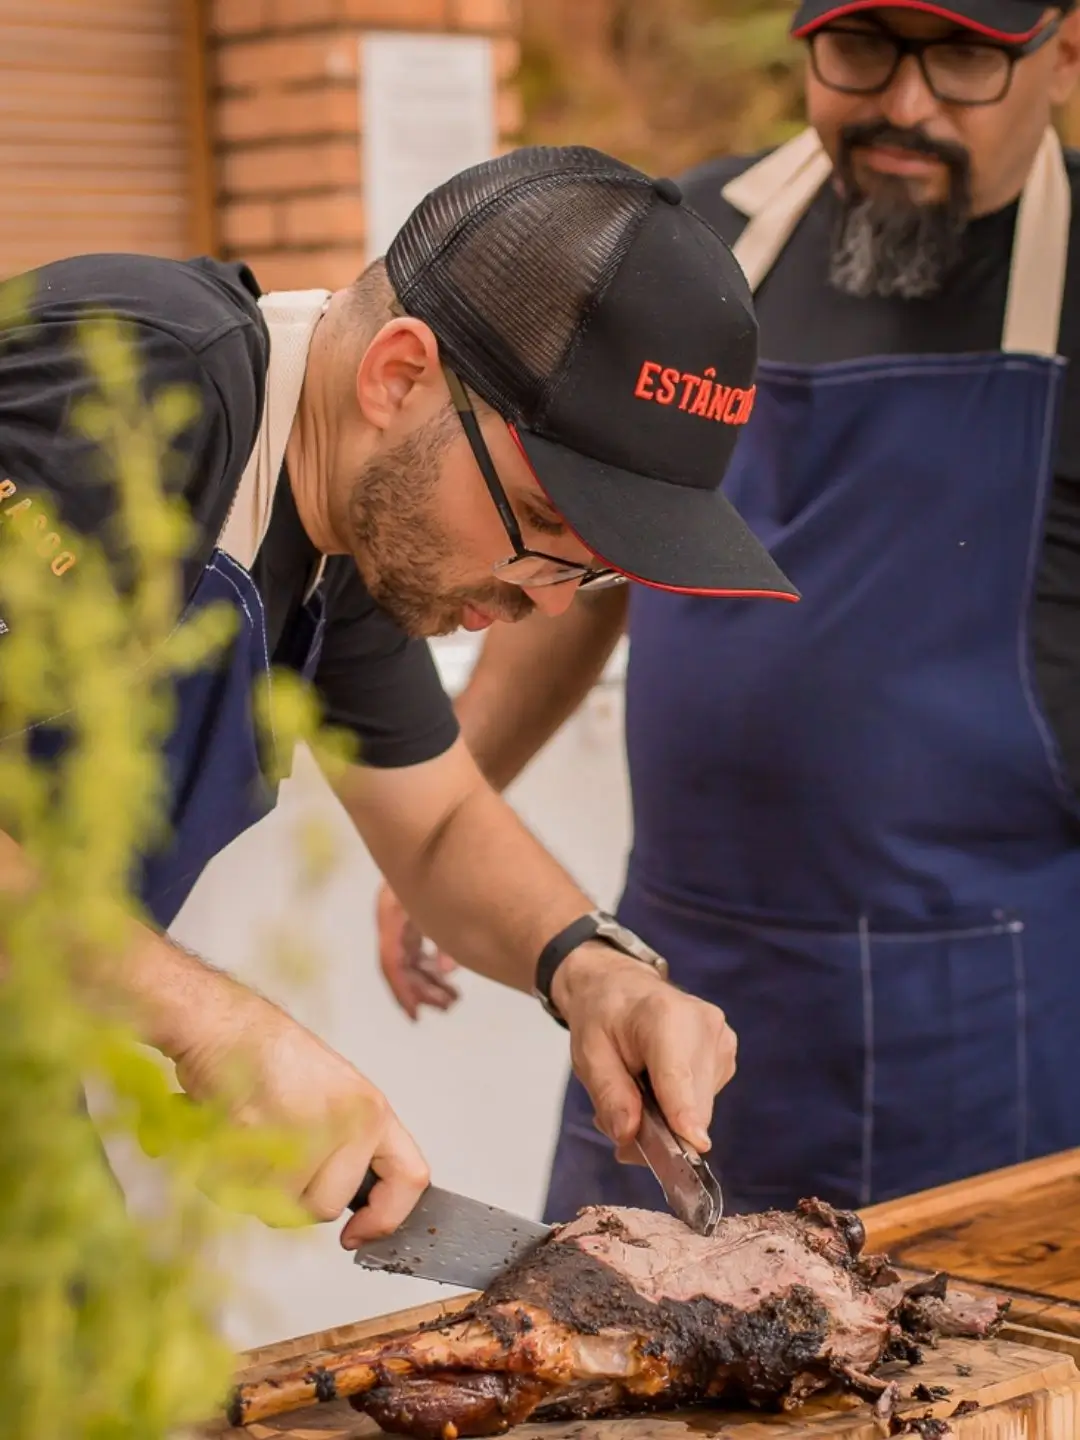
[529, 568]
[959, 69]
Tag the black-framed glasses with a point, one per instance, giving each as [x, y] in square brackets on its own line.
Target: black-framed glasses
[961, 68]
[527, 568]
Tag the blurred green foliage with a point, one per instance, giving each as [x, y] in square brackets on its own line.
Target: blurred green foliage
[107, 1326]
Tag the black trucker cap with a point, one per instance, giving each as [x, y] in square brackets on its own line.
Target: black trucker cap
[614, 331]
[1015, 21]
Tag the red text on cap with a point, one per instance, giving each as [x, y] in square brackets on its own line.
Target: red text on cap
[696, 394]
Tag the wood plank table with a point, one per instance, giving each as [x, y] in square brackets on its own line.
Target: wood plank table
[1014, 1231]
[1015, 1393]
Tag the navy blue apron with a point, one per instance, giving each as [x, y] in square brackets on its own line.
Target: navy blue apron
[852, 829]
[216, 784]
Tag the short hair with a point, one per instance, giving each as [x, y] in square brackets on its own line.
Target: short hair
[373, 303]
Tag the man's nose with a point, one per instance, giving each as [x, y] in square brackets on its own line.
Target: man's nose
[553, 600]
[909, 102]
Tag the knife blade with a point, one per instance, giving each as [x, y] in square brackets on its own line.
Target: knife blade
[450, 1239]
[690, 1187]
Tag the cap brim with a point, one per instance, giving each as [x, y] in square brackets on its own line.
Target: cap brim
[1013, 20]
[672, 537]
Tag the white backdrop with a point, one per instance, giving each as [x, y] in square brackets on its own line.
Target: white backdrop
[478, 1088]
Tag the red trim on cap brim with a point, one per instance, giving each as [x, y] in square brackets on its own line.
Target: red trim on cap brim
[622, 570]
[942, 11]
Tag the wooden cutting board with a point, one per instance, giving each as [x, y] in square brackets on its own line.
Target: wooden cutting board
[1021, 1394]
[1015, 1231]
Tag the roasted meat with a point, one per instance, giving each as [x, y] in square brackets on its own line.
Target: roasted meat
[623, 1311]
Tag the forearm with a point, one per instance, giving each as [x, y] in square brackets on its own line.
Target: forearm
[169, 995]
[531, 677]
[478, 883]
[175, 1000]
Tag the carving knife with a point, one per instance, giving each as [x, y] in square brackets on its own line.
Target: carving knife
[690, 1187]
[449, 1238]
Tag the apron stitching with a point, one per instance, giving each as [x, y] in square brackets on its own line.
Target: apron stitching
[1016, 930]
[238, 593]
[978, 932]
[1036, 544]
[868, 1069]
[778, 926]
[230, 581]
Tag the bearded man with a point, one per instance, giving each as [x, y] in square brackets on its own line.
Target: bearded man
[473, 431]
[856, 819]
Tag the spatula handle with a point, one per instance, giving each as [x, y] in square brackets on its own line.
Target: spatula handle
[363, 1195]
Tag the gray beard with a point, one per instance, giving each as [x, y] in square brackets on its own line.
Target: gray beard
[886, 246]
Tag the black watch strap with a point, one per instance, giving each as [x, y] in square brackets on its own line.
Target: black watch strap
[597, 925]
[555, 952]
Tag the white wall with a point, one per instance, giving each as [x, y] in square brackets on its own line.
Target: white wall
[479, 1088]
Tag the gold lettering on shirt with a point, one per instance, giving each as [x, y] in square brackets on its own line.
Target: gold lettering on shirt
[50, 545]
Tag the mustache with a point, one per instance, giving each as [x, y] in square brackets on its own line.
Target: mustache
[879, 132]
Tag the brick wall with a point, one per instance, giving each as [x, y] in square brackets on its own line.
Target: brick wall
[285, 120]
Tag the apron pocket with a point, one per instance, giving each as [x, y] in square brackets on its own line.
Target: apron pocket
[871, 1064]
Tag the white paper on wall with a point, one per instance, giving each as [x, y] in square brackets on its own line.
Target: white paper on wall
[428, 110]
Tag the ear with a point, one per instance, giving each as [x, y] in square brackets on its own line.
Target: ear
[1066, 71]
[399, 371]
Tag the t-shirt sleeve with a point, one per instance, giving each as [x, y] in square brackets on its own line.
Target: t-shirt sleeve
[45, 376]
[377, 681]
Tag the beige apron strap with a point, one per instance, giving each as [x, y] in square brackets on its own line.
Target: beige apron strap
[1040, 255]
[291, 317]
[775, 194]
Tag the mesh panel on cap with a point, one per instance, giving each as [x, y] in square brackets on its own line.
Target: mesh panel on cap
[505, 259]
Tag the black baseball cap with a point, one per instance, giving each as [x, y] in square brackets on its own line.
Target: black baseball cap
[614, 331]
[1015, 21]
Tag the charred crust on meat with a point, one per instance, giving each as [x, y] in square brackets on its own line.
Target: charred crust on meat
[325, 1385]
[930, 1394]
[844, 1223]
[935, 1288]
[613, 1224]
[505, 1327]
[236, 1409]
[902, 1348]
[758, 1349]
[926, 1427]
[574, 1288]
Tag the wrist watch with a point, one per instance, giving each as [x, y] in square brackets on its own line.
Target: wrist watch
[596, 925]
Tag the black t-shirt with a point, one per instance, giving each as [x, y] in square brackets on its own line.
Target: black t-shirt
[197, 325]
[804, 321]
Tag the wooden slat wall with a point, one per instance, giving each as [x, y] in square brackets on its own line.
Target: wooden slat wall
[97, 118]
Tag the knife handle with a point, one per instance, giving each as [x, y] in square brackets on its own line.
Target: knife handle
[363, 1195]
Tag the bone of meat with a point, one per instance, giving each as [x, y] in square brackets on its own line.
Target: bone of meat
[624, 1311]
